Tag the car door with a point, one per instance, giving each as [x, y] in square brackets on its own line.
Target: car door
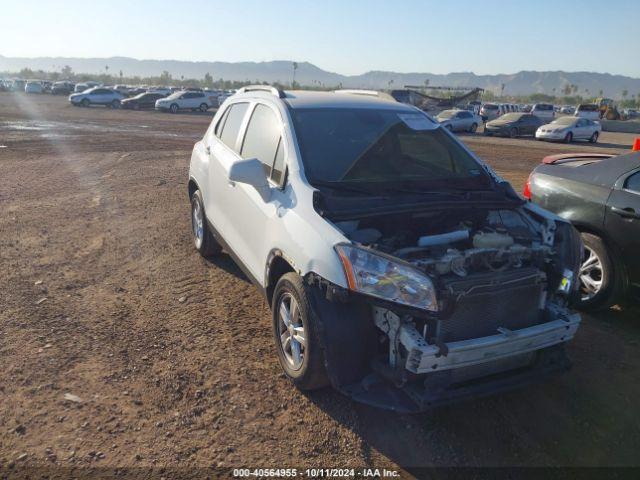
[262, 140]
[221, 149]
[585, 128]
[531, 124]
[622, 221]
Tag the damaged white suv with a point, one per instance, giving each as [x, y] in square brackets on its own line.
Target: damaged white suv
[399, 268]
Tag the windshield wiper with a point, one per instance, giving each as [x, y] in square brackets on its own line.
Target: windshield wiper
[345, 187]
[445, 192]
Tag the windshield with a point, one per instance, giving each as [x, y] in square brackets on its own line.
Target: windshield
[564, 121]
[447, 114]
[377, 146]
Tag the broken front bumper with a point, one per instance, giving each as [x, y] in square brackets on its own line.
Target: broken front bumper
[424, 358]
[455, 371]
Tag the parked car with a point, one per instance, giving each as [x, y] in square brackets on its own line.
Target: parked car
[17, 85]
[459, 120]
[33, 86]
[544, 111]
[490, 111]
[62, 88]
[97, 96]
[186, 100]
[223, 96]
[567, 129]
[513, 125]
[630, 113]
[398, 267]
[567, 109]
[142, 101]
[526, 108]
[588, 110]
[600, 195]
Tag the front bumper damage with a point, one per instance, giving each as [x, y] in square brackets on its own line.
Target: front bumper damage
[411, 374]
[425, 358]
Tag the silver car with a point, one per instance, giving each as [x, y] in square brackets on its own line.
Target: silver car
[459, 120]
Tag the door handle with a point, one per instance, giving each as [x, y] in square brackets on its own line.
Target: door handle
[627, 212]
[208, 150]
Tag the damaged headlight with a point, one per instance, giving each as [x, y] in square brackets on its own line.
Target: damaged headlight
[383, 277]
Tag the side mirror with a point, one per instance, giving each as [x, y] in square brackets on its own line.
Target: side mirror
[251, 172]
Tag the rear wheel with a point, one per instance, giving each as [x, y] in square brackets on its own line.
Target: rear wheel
[203, 107]
[513, 133]
[296, 334]
[115, 104]
[598, 275]
[174, 108]
[85, 102]
[449, 127]
[594, 137]
[202, 236]
[568, 138]
[473, 128]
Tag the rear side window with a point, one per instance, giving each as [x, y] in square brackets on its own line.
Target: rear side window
[262, 137]
[232, 124]
[633, 183]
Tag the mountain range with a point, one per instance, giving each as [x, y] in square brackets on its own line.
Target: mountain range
[307, 74]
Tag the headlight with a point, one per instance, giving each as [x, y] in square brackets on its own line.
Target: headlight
[383, 277]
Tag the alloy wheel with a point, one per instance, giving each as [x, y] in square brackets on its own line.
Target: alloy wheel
[590, 275]
[292, 331]
[197, 223]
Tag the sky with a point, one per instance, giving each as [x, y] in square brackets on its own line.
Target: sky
[348, 37]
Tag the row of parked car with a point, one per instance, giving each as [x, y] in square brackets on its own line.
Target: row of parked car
[159, 99]
[517, 124]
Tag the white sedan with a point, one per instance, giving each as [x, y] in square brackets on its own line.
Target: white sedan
[459, 120]
[567, 129]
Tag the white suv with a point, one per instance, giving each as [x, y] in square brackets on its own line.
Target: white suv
[399, 268]
[187, 100]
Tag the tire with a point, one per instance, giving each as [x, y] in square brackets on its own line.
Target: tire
[302, 361]
[136, 106]
[203, 239]
[568, 138]
[115, 104]
[598, 267]
[594, 137]
[513, 132]
[174, 108]
[204, 107]
[474, 127]
[85, 102]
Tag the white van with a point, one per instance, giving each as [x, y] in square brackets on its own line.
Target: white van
[590, 111]
[543, 111]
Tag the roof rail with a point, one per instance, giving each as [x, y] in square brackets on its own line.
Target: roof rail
[263, 88]
[355, 91]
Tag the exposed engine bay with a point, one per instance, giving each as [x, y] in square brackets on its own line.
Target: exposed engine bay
[501, 285]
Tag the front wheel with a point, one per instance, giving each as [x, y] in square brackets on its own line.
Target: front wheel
[115, 104]
[174, 108]
[513, 133]
[568, 138]
[85, 102]
[296, 334]
[203, 107]
[203, 239]
[594, 138]
[473, 128]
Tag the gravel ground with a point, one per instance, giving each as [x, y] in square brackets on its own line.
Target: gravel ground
[122, 348]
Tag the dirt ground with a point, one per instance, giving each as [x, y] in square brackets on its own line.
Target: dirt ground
[123, 348]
